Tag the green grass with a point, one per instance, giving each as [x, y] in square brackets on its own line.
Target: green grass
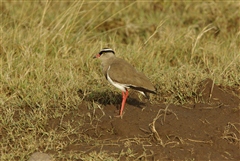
[46, 52]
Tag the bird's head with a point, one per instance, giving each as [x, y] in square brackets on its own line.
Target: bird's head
[105, 53]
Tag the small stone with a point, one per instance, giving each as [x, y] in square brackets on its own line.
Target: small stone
[38, 156]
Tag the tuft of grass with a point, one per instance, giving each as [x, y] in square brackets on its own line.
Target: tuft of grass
[46, 51]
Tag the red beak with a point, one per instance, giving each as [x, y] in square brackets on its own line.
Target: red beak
[97, 56]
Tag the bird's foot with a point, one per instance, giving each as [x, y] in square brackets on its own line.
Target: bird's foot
[119, 116]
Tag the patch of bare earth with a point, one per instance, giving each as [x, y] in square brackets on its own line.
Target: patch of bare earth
[202, 131]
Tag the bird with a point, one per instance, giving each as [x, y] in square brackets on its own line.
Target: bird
[123, 75]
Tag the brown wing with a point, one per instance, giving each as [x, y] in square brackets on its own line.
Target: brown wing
[122, 72]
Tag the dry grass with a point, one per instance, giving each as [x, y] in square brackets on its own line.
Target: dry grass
[46, 50]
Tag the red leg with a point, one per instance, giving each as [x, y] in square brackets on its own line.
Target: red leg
[124, 98]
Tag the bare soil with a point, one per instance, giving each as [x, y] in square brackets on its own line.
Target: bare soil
[199, 131]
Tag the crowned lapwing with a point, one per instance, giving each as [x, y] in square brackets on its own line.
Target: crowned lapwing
[123, 75]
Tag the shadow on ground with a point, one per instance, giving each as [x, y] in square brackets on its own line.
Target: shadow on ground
[111, 98]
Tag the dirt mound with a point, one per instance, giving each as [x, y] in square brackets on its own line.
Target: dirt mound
[209, 130]
[210, 93]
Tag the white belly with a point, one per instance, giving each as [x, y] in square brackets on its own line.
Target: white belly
[120, 86]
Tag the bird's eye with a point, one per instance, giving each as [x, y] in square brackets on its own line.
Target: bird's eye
[101, 52]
